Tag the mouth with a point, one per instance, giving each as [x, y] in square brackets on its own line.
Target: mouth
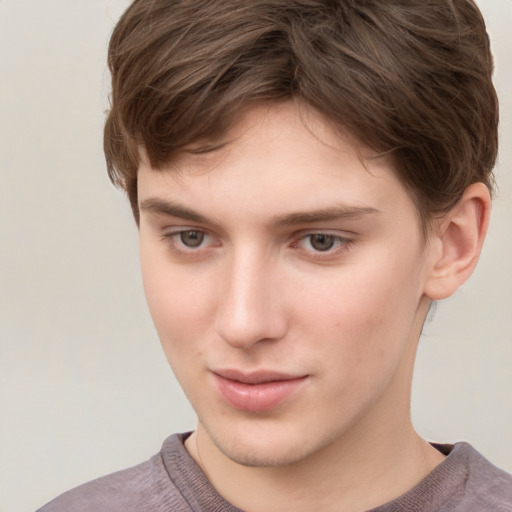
[256, 391]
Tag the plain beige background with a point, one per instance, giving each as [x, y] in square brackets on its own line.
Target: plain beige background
[84, 386]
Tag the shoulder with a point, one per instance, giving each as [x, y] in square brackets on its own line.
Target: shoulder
[465, 481]
[486, 484]
[142, 488]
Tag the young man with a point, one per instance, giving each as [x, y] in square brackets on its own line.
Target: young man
[308, 176]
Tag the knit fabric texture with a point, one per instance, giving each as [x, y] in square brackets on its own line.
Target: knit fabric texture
[172, 482]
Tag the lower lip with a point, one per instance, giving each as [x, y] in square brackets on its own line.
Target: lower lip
[257, 397]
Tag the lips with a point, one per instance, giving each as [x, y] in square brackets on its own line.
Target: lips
[256, 391]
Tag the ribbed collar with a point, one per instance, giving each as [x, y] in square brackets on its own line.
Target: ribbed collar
[444, 483]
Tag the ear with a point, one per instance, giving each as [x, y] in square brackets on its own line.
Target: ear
[456, 242]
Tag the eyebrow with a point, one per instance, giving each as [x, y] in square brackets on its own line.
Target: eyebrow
[155, 205]
[342, 212]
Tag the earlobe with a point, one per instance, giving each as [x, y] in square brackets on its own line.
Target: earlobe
[457, 242]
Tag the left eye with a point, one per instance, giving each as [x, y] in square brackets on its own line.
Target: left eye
[322, 242]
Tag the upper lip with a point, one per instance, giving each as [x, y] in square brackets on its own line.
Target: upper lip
[255, 377]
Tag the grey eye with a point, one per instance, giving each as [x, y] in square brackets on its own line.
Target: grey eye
[321, 242]
[192, 238]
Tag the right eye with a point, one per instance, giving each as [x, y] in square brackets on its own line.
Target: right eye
[183, 240]
[192, 238]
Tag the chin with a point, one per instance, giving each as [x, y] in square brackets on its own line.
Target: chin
[268, 447]
[258, 456]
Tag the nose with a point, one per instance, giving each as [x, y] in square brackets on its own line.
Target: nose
[250, 303]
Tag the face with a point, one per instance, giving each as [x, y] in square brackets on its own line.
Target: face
[285, 278]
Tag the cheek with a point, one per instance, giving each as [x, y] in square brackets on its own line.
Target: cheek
[179, 301]
[179, 310]
[363, 315]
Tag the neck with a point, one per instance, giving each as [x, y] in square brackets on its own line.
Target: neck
[335, 478]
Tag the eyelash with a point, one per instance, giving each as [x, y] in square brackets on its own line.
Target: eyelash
[172, 239]
[341, 243]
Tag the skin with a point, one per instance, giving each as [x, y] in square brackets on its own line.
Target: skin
[250, 286]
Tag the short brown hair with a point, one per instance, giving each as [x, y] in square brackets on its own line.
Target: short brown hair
[407, 77]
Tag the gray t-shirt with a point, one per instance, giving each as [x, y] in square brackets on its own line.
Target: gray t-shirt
[172, 482]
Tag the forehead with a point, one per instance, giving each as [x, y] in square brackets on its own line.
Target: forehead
[276, 159]
[267, 127]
